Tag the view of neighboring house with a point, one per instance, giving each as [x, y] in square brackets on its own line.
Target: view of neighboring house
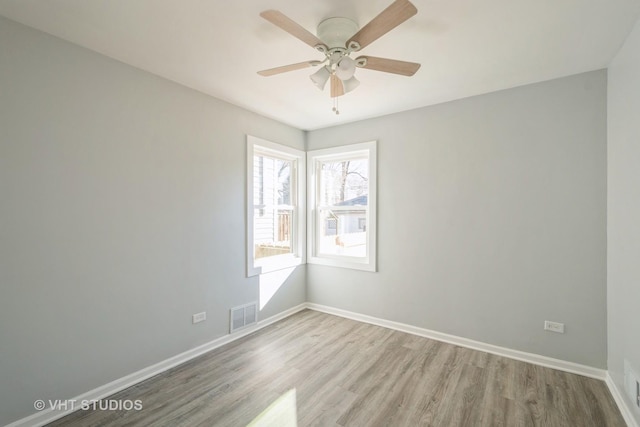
[272, 200]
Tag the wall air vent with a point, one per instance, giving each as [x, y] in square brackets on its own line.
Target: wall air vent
[242, 316]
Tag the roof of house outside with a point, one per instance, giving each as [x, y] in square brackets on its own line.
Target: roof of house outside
[356, 201]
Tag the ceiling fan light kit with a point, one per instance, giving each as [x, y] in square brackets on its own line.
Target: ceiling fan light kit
[345, 68]
[321, 77]
[350, 84]
[339, 37]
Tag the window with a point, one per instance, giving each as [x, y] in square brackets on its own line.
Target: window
[342, 203]
[275, 206]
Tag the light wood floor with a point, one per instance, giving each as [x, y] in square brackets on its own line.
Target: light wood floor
[348, 373]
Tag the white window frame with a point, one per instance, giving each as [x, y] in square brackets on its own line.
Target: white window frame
[298, 196]
[367, 263]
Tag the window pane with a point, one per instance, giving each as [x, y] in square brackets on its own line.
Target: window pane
[342, 206]
[344, 183]
[343, 232]
[272, 232]
[275, 229]
[284, 182]
[271, 181]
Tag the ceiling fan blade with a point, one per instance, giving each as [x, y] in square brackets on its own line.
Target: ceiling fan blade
[337, 88]
[394, 15]
[286, 68]
[280, 20]
[390, 65]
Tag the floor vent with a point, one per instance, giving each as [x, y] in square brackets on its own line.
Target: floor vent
[242, 316]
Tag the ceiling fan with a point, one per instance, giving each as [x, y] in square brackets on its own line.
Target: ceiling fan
[337, 39]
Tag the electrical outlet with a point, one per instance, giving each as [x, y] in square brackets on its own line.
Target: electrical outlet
[554, 326]
[199, 317]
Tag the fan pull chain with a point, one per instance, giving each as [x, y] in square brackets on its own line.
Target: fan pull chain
[335, 106]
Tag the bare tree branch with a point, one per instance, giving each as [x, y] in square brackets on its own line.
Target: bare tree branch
[359, 174]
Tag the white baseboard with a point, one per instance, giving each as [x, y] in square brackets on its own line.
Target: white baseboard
[562, 365]
[627, 411]
[536, 359]
[48, 415]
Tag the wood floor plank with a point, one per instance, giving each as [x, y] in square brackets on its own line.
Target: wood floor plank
[348, 373]
[497, 409]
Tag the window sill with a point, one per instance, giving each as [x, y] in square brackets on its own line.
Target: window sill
[275, 263]
[353, 263]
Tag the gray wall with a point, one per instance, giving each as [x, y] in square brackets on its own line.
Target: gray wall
[623, 215]
[491, 219]
[121, 215]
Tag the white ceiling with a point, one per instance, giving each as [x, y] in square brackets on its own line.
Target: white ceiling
[466, 47]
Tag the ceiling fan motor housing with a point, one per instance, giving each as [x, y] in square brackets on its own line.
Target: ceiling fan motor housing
[336, 31]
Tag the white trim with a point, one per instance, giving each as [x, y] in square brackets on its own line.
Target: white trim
[344, 152]
[623, 405]
[536, 359]
[298, 193]
[49, 415]
[44, 417]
